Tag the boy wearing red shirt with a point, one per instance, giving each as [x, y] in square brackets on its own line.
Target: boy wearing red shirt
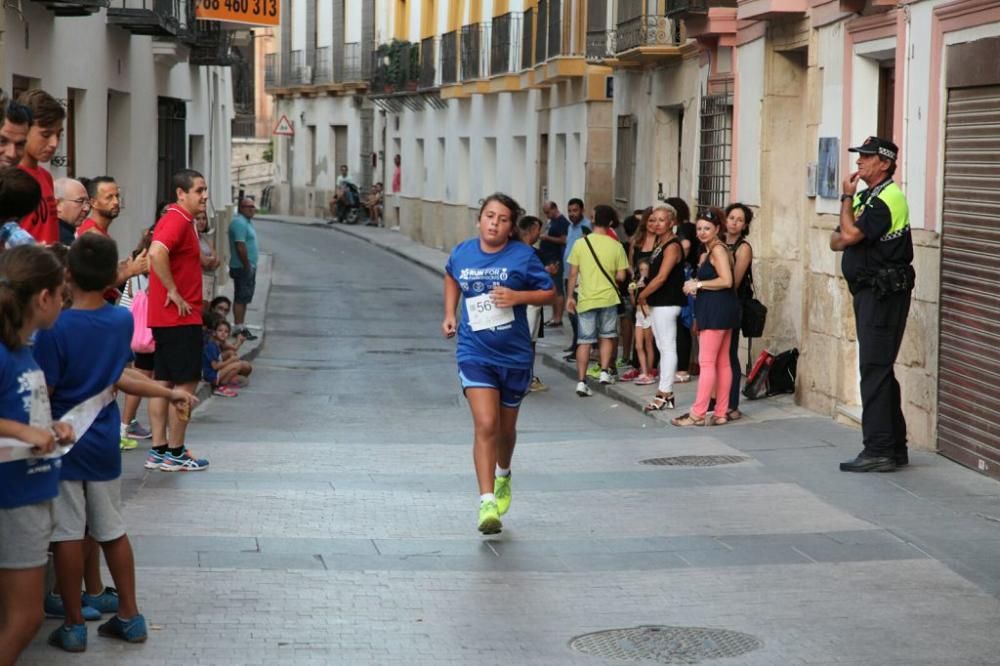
[47, 117]
[174, 315]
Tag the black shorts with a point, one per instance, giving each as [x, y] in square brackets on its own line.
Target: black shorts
[178, 354]
[144, 361]
[244, 284]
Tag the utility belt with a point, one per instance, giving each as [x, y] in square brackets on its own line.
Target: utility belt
[886, 281]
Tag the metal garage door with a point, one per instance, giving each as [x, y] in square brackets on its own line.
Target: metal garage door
[969, 370]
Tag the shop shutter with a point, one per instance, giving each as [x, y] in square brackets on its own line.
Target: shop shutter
[969, 355]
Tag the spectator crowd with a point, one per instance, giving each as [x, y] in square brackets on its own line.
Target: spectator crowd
[80, 323]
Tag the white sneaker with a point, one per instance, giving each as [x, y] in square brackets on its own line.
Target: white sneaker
[583, 390]
[607, 377]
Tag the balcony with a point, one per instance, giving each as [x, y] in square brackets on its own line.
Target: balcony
[645, 39]
[70, 8]
[703, 18]
[475, 46]
[322, 65]
[428, 63]
[769, 9]
[272, 77]
[300, 74]
[210, 44]
[600, 45]
[395, 68]
[527, 38]
[244, 126]
[449, 57]
[157, 18]
[505, 44]
[350, 67]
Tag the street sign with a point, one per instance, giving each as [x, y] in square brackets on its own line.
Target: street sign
[250, 12]
[284, 127]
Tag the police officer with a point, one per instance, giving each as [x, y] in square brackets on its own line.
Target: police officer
[874, 235]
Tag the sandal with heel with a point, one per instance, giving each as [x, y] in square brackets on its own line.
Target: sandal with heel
[687, 420]
[660, 401]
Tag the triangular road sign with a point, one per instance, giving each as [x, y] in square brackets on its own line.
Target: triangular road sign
[284, 127]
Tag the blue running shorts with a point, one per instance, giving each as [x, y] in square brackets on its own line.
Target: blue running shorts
[512, 383]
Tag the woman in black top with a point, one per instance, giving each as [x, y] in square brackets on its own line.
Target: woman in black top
[717, 312]
[738, 218]
[663, 297]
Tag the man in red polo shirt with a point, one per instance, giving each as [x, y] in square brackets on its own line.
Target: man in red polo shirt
[47, 117]
[174, 316]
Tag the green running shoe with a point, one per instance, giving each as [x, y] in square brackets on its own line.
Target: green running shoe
[489, 518]
[128, 444]
[594, 371]
[501, 488]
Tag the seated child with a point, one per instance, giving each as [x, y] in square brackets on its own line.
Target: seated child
[84, 358]
[222, 367]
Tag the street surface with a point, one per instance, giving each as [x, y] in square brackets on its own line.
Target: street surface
[337, 523]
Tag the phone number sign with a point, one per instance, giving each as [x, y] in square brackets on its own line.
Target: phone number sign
[252, 12]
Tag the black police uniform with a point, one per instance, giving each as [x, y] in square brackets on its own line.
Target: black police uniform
[880, 276]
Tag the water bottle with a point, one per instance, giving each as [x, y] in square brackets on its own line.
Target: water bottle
[12, 235]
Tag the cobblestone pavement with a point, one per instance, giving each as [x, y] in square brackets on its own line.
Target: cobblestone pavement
[337, 522]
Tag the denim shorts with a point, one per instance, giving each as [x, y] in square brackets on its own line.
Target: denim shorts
[244, 284]
[600, 322]
[511, 382]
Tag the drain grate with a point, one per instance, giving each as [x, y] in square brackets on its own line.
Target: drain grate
[666, 645]
[694, 461]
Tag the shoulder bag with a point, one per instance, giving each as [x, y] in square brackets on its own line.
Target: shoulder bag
[754, 315]
[614, 285]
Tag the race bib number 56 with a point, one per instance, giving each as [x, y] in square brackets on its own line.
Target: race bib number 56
[484, 313]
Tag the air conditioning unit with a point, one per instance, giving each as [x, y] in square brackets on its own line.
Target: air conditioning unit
[307, 74]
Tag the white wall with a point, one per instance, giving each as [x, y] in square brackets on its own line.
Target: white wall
[750, 70]
[323, 113]
[116, 61]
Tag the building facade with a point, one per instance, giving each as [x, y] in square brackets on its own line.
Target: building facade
[147, 92]
[318, 75]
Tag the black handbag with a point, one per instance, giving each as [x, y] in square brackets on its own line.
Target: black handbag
[754, 315]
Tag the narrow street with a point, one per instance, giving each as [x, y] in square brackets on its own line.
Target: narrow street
[337, 522]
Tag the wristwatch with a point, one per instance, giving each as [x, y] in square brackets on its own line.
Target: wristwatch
[846, 197]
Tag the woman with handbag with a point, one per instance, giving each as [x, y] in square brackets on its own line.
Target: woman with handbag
[663, 298]
[717, 312]
[738, 218]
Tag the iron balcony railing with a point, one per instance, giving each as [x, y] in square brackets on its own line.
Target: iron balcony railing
[475, 48]
[527, 38]
[271, 78]
[555, 32]
[301, 75]
[681, 8]
[449, 57]
[244, 126]
[71, 8]
[505, 43]
[351, 67]
[428, 62]
[541, 31]
[600, 44]
[322, 65]
[395, 67]
[157, 18]
[645, 30]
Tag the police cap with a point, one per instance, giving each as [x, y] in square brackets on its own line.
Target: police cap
[873, 145]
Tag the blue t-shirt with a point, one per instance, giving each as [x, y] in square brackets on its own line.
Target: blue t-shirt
[573, 234]
[24, 398]
[83, 354]
[210, 353]
[241, 230]
[477, 272]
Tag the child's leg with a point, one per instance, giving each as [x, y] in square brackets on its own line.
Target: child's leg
[227, 374]
[641, 336]
[69, 560]
[245, 368]
[21, 614]
[104, 520]
[121, 563]
[92, 568]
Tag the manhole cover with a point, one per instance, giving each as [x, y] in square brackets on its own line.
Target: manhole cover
[694, 461]
[666, 645]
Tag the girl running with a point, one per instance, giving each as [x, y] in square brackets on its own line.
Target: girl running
[498, 278]
[31, 297]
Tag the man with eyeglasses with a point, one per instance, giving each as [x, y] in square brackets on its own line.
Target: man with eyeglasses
[13, 131]
[243, 256]
[72, 207]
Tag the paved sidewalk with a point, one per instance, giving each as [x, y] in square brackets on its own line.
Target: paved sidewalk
[941, 508]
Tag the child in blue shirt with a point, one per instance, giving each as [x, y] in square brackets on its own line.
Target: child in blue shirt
[31, 297]
[497, 277]
[221, 365]
[84, 358]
